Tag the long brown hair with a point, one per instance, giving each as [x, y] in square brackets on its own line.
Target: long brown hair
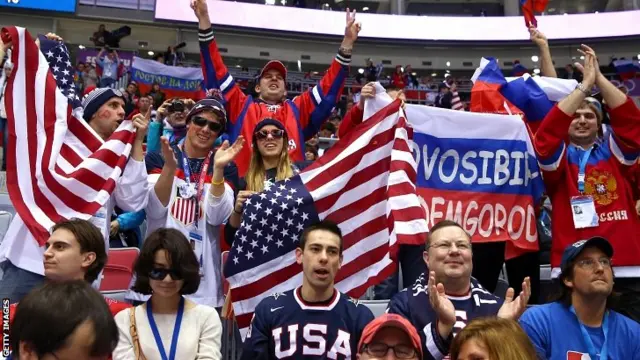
[504, 339]
[256, 173]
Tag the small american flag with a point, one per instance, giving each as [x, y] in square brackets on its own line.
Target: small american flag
[364, 183]
[57, 166]
[184, 210]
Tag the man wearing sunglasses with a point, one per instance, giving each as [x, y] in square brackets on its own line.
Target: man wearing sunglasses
[302, 116]
[389, 336]
[193, 191]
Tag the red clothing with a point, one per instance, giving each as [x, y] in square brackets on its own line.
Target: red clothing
[115, 307]
[607, 180]
[352, 119]
[398, 80]
[302, 116]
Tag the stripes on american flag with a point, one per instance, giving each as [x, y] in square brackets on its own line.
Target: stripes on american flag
[184, 210]
[365, 183]
[57, 166]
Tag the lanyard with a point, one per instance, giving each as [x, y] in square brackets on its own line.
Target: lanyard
[581, 170]
[587, 338]
[176, 331]
[187, 179]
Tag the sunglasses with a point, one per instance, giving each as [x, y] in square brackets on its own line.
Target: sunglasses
[161, 274]
[202, 122]
[275, 133]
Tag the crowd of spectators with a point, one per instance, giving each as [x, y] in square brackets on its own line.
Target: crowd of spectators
[203, 160]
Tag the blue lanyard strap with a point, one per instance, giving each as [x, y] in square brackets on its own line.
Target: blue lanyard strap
[581, 169]
[587, 338]
[176, 331]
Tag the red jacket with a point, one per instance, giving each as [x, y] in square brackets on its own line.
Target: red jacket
[608, 181]
[351, 119]
[302, 116]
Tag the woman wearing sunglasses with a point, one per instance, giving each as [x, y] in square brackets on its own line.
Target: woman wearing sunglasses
[270, 162]
[168, 326]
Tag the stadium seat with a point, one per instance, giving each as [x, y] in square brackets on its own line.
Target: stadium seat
[119, 269]
[115, 295]
[5, 220]
[377, 307]
[225, 284]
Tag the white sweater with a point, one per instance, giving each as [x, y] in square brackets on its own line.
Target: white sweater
[199, 339]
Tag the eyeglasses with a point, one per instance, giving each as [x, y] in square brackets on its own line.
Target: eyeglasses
[401, 351]
[590, 264]
[275, 133]
[202, 122]
[446, 245]
[161, 274]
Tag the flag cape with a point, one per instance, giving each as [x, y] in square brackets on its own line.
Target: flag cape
[533, 97]
[486, 178]
[57, 166]
[364, 183]
[175, 81]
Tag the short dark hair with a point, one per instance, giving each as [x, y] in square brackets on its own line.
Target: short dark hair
[562, 292]
[90, 239]
[443, 224]
[328, 126]
[49, 314]
[181, 256]
[326, 225]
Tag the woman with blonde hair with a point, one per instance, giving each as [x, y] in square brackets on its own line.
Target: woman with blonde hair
[270, 163]
[492, 339]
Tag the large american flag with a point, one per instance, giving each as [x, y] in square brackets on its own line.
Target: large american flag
[57, 166]
[364, 183]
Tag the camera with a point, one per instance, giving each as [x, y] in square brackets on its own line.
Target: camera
[176, 106]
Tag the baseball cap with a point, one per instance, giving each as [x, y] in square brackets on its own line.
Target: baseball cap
[391, 320]
[208, 104]
[572, 251]
[275, 65]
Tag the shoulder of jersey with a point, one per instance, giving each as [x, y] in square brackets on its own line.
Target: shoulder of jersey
[419, 286]
[278, 299]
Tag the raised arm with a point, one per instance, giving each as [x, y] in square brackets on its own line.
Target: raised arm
[550, 139]
[216, 74]
[316, 104]
[546, 62]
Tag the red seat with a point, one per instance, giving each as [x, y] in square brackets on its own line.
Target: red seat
[225, 283]
[118, 271]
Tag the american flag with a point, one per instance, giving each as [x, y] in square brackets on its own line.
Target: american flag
[57, 166]
[184, 210]
[365, 183]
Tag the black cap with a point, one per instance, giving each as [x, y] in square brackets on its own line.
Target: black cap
[572, 251]
[211, 105]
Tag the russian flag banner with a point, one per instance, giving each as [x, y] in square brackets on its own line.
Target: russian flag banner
[531, 97]
[627, 69]
[529, 8]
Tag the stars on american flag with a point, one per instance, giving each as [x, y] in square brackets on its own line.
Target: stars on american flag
[57, 56]
[271, 224]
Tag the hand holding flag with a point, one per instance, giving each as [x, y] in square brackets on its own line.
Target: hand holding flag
[529, 8]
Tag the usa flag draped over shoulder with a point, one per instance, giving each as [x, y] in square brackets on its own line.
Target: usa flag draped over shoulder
[57, 166]
[365, 183]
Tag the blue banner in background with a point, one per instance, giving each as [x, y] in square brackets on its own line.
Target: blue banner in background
[49, 5]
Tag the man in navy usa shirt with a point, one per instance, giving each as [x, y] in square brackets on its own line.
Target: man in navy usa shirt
[450, 298]
[313, 321]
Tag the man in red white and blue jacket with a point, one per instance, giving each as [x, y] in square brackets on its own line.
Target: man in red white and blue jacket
[302, 116]
[582, 170]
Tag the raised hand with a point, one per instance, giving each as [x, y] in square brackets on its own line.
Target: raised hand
[141, 123]
[537, 37]
[200, 8]
[352, 28]
[242, 197]
[512, 309]
[226, 153]
[443, 307]
[168, 154]
[591, 69]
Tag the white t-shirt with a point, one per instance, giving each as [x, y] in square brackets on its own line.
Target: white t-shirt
[180, 215]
